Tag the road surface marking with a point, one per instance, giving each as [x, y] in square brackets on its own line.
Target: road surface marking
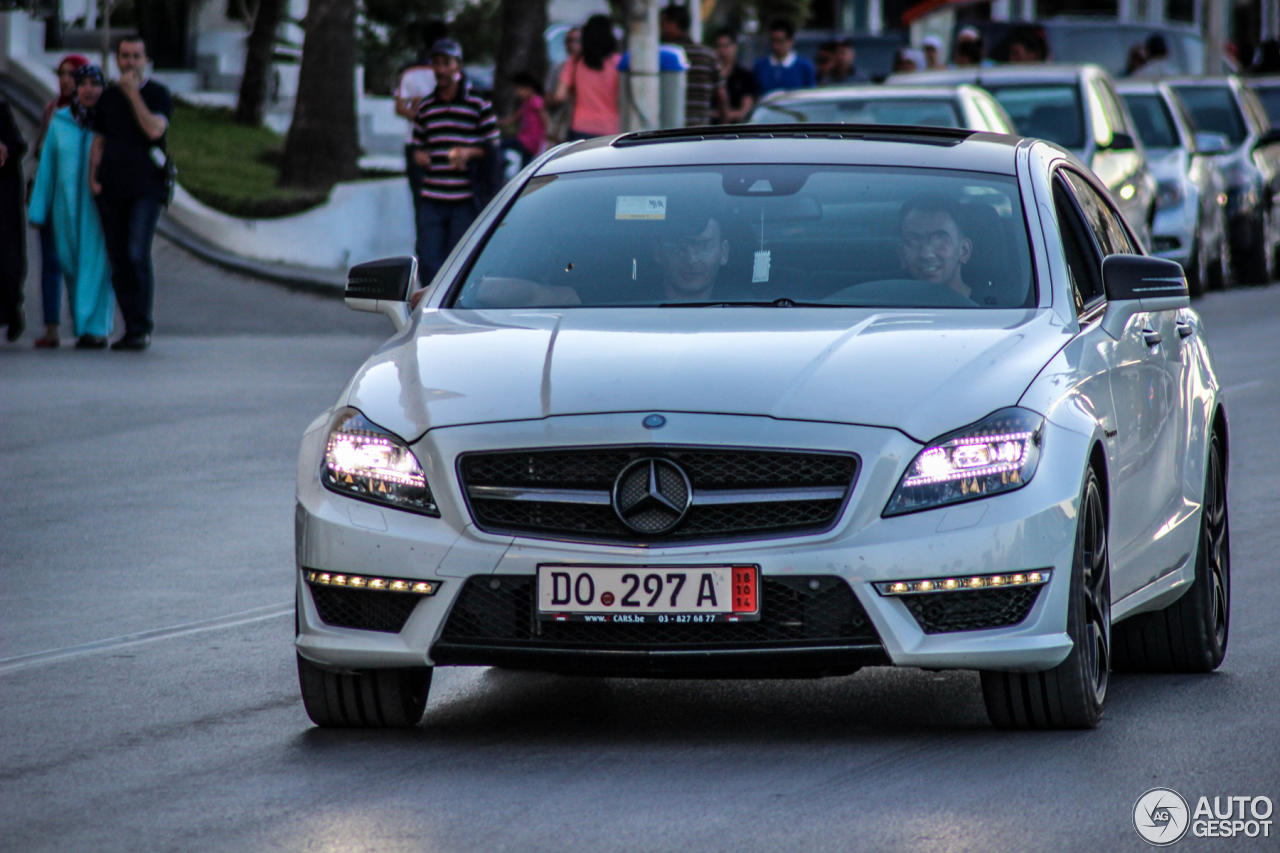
[244, 617]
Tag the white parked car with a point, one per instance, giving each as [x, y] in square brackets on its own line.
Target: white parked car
[933, 106]
[774, 400]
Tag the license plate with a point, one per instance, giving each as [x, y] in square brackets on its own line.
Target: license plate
[663, 594]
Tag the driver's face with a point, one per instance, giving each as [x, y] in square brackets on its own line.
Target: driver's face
[691, 262]
[931, 247]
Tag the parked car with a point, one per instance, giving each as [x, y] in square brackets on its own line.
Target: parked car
[1251, 167]
[955, 106]
[1099, 41]
[750, 401]
[1075, 106]
[1191, 195]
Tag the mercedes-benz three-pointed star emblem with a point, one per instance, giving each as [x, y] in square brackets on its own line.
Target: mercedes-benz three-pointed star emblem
[652, 496]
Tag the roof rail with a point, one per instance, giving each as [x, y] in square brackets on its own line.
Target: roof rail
[815, 130]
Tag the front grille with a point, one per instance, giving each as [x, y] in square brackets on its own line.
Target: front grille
[796, 610]
[736, 493]
[939, 613]
[364, 609]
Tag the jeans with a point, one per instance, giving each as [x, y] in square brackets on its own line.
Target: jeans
[129, 225]
[50, 277]
[441, 225]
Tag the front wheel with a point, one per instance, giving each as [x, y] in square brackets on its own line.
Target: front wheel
[364, 699]
[1189, 635]
[1073, 694]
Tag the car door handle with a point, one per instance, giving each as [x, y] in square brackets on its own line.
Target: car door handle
[1185, 330]
[1151, 337]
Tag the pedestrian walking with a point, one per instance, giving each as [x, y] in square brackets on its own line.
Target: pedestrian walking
[703, 76]
[782, 68]
[529, 119]
[50, 272]
[13, 238]
[62, 204]
[454, 127]
[560, 113]
[592, 82]
[738, 92]
[128, 176]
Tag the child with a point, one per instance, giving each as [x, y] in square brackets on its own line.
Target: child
[531, 137]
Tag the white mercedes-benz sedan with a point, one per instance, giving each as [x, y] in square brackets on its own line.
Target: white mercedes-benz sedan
[774, 401]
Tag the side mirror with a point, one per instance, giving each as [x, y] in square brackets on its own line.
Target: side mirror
[1159, 285]
[1211, 143]
[1120, 142]
[1271, 137]
[383, 287]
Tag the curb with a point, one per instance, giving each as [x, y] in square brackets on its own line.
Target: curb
[322, 282]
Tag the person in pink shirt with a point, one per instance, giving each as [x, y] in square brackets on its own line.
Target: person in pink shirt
[592, 82]
[530, 119]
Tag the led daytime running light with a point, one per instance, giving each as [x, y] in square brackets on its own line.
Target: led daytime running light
[376, 584]
[962, 584]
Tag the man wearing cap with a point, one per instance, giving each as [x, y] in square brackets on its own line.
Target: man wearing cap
[932, 47]
[454, 125]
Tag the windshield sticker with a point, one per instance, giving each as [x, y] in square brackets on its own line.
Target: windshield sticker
[641, 207]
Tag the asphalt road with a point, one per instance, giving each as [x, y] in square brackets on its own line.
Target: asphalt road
[149, 698]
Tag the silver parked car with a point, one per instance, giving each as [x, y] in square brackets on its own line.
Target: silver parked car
[1191, 196]
[1251, 167]
[1077, 107]
[963, 106]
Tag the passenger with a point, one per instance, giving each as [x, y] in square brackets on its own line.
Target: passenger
[932, 244]
[690, 256]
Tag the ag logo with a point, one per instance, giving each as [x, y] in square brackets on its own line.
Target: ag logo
[1161, 816]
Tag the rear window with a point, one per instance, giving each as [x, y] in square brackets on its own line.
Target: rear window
[1215, 110]
[936, 112]
[1155, 123]
[1046, 112]
[767, 235]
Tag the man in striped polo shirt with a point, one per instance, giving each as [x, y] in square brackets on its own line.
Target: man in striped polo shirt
[453, 127]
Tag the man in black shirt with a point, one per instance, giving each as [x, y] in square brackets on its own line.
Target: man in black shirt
[738, 91]
[127, 175]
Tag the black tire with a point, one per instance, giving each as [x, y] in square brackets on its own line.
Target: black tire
[1197, 270]
[1191, 634]
[1073, 694]
[1258, 264]
[365, 699]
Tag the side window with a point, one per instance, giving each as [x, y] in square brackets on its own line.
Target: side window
[1103, 221]
[1083, 264]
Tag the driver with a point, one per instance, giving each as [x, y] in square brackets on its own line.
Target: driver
[690, 254]
[932, 243]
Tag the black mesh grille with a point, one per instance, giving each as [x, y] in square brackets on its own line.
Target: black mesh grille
[707, 470]
[361, 608]
[793, 611]
[971, 610]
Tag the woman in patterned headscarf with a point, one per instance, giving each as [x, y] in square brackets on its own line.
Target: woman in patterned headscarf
[61, 196]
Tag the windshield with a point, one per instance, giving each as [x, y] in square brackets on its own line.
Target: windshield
[1049, 112]
[768, 235]
[932, 112]
[1155, 124]
[1214, 110]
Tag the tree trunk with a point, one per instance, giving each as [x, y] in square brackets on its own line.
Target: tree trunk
[522, 48]
[257, 62]
[323, 144]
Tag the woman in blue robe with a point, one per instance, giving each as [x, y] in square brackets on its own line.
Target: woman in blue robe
[61, 195]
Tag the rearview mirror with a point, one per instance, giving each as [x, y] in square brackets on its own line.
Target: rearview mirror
[1121, 142]
[1211, 143]
[382, 287]
[1158, 284]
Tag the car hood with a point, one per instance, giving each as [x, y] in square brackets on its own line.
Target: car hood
[920, 371]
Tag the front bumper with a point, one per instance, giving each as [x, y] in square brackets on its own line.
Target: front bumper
[1032, 528]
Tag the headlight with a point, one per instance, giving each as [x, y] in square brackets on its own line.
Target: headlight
[365, 461]
[1168, 194]
[997, 454]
